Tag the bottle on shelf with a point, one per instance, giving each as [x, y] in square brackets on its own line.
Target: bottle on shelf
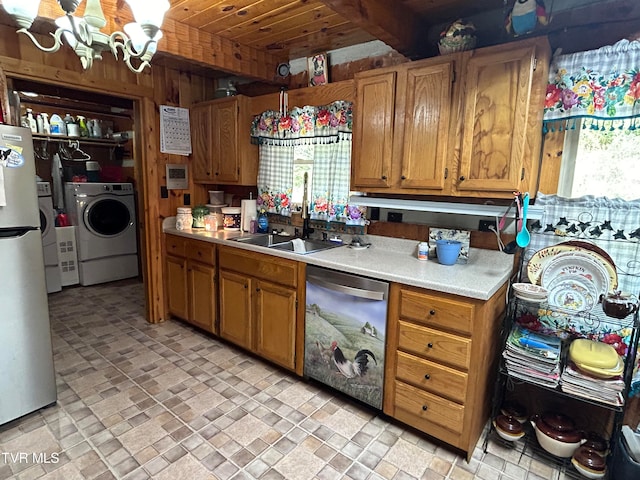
[31, 121]
[82, 124]
[46, 127]
[40, 123]
[58, 127]
[73, 129]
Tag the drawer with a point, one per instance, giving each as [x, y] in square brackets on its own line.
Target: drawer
[436, 311]
[176, 245]
[423, 409]
[266, 267]
[433, 377]
[434, 345]
[201, 251]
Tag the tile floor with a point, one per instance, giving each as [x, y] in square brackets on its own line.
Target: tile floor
[140, 401]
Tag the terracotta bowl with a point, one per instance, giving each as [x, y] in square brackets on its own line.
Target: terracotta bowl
[556, 434]
[513, 409]
[589, 463]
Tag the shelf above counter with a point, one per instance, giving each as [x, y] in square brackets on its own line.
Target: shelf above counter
[104, 142]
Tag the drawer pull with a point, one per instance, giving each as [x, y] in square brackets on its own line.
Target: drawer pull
[427, 376]
[429, 345]
[432, 312]
[424, 408]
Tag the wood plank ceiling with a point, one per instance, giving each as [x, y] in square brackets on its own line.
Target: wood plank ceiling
[250, 37]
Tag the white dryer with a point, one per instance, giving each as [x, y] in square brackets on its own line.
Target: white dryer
[106, 230]
[49, 240]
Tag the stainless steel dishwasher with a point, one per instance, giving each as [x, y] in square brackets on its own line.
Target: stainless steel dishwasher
[345, 328]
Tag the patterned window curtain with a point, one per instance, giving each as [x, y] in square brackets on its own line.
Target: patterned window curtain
[600, 86]
[330, 189]
[328, 128]
[275, 178]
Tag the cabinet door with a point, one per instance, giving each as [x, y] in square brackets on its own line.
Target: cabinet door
[225, 141]
[427, 113]
[201, 126]
[177, 286]
[373, 131]
[202, 290]
[275, 315]
[497, 94]
[235, 308]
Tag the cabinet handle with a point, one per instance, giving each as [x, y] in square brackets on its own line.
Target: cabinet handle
[427, 376]
[424, 408]
[462, 179]
[208, 174]
[246, 286]
[384, 177]
[429, 345]
[257, 289]
[432, 312]
[403, 177]
[446, 173]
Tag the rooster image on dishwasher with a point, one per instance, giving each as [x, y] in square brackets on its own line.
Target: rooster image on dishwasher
[345, 343]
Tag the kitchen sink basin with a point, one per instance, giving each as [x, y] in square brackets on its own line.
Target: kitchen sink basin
[310, 246]
[263, 240]
[282, 242]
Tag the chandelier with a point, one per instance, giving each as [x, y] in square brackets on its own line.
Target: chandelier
[138, 42]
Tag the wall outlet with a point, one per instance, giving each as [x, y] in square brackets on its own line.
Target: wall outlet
[395, 217]
[485, 224]
[187, 198]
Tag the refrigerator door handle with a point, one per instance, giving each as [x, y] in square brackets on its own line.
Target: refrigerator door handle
[354, 292]
[14, 232]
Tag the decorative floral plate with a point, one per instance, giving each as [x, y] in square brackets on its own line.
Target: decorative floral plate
[576, 263]
[573, 293]
[542, 257]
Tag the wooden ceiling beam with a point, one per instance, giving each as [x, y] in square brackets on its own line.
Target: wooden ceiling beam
[392, 22]
[180, 40]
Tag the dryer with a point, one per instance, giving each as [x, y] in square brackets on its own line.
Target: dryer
[106, 230]
[49, 240]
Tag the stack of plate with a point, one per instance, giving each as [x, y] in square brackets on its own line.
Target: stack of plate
[529, 292]
[595, 358]
[575, 273]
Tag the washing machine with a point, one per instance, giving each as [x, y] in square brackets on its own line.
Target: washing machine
[49, 241]
[104, 215]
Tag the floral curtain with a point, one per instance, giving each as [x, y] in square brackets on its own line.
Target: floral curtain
[327, 130]
[602, 86]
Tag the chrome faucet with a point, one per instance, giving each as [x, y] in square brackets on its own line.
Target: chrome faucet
[306, 229]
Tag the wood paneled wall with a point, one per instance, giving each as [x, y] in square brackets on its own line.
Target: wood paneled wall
[162, 85]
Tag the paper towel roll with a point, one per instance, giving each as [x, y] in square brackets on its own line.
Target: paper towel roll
[249, 209]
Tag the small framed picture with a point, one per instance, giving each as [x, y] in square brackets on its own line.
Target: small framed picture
[318, 69]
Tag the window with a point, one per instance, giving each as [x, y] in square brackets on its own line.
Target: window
[302, 163]
[600, 163]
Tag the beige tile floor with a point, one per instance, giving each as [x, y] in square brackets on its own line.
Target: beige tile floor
[138, 401]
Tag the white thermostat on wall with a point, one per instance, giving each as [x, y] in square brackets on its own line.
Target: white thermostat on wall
[177, 177]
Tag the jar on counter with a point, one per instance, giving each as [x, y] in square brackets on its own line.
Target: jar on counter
[423, 251]
[184, 220]
[199, 212]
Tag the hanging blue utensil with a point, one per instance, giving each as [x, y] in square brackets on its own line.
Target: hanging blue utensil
[523, 237]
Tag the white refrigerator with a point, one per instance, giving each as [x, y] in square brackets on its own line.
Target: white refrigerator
[27, 378]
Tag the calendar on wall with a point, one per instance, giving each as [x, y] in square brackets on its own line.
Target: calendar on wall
[175, 134]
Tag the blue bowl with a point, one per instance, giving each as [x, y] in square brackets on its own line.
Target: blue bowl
[448, 251]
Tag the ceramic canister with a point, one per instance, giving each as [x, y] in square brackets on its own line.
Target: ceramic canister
[232, 218]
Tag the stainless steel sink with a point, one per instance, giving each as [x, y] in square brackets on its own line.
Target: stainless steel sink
[310, 246]
[263, 240]
[282, 242]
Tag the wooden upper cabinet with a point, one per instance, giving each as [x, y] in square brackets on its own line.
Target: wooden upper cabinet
[222, 150]
[425, 126]
[494, 154]
[467, 124]
[200, 119]
[373, 130]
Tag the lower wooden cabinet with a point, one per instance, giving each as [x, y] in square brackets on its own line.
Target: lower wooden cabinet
[191, 281]
[259, 308]
[441, 359]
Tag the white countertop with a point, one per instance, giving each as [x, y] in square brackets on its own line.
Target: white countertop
[388, 259]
